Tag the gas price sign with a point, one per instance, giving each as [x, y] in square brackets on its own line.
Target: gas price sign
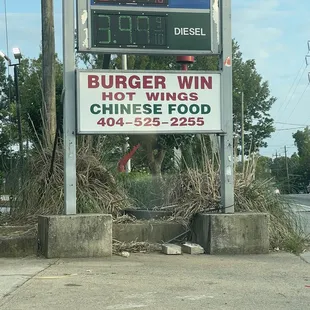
[146, 102]
[133, 2]
[141, 30]
[147, 27]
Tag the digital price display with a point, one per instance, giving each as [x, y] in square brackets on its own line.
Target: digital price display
[133, 2]
[129, 29]
[159, 27]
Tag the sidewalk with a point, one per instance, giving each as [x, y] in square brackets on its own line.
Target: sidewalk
[156, 281]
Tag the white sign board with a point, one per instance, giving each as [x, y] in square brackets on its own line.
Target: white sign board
[115, 102]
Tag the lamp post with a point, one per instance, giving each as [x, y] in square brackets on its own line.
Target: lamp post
[242, 128]
[18, 56]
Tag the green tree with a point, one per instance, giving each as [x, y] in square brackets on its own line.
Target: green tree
[302, 141]
[8, 124]
[263, 168]
[258, 123]
[292, 182]
[155, 147]
[32, 96]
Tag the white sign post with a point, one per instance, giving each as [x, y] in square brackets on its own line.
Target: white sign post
[115, 102]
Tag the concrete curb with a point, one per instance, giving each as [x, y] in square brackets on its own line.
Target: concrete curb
[18, 246]
[305, 257]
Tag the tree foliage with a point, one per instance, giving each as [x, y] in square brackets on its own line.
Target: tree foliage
[258, 123]
[292, 174]
[31, 92]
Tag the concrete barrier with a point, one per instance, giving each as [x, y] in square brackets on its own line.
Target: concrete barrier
[239, 233]
[84, 235]
[147, 231]
[18, 246]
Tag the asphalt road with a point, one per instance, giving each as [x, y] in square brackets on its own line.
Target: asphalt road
[156, 282]
[300, 204]
[300, 199]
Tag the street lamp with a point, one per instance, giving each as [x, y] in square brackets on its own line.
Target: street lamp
[5, 57]
[17, 55]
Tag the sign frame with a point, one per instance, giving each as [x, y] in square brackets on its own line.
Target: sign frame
[139, 132]
[84, 29]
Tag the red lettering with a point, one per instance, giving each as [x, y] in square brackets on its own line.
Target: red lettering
[134, 82]
[119, 96]
[182, 97]
[106, 82]
[185, 82]
[93, 81]
[130, 95]
[170, 96]
[193, 96]
[160, 81]
[206, 82]
[147, 82]
[152, 96]
[120, 80]
[200, 82]
[107, 95]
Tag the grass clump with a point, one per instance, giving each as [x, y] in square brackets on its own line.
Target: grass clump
[198, 191]
[42, 193]
[284, 228]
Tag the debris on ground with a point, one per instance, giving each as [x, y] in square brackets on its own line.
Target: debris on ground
[192, 248]
[134, 247]
[171, 249]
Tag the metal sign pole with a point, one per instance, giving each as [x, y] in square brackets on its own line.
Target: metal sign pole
[227, 161]
[69, 122]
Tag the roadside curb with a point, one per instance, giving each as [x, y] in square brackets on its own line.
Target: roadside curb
[305, 257]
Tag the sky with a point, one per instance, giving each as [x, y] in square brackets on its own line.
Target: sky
[273, 32]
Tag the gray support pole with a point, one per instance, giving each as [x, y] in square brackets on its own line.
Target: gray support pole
[227, 161]
[69, 122]
[126, 145]
[242, 128]
[287, 171]
[19, 122]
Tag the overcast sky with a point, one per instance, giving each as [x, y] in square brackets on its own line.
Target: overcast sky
[273, 32]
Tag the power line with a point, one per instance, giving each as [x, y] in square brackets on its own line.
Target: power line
[8, 74]
[290, 94]
[291, 128]
[283, 123]
[6, 28]
[295, 106]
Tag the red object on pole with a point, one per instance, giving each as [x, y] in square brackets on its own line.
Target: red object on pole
[122, 163]
[185, 61]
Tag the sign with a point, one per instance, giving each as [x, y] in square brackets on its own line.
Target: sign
[174, 27]
[124, 102]
[192, 4]
[131, 2]
[145, 30]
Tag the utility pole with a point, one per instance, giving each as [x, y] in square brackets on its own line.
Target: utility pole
[19, 122]
[227, 139]
[126, 145]
[48, 69]
[242, 127]
[287, 172]
[69, 122]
